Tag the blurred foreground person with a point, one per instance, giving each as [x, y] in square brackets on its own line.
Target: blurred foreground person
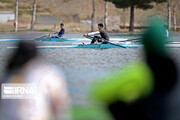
[140, 89]
[51, 99]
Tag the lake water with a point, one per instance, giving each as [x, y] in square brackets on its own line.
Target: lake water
[82, 66]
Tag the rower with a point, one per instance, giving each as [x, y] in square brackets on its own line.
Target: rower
[104, 36]
[60, 33]
[166, 31]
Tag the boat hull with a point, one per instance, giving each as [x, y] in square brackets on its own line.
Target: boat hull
[104, 46]
[75, 39]
[58, 39]
[98, 46]
[88, 46]
[95, 46]
[55, 39]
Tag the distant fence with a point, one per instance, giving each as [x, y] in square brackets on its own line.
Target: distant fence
[47, 20]
[120, 18]
[52, 19]
[117, 20]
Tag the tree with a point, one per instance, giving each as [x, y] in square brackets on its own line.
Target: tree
[33, 15]
[172, 9]
[16, 17]
[92, 16]
[141, 4]
[169, 13]
[174, 4]
[174, 18]
[106, 14]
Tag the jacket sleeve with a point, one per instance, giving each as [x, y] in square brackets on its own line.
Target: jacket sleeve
[93, 33]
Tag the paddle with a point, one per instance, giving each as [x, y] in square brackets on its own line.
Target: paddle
[44, 36]
[108, 42]
[48, 35]
[116, 44]
[137, 39]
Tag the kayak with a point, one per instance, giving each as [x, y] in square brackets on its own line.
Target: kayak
[74, 39]
[58, 39]
[39, 39]
[55, 39]
[11, 40]
[98, 46]
[101, 46]
[104, 46]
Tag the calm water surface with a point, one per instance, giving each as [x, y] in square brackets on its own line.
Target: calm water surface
[82, 66]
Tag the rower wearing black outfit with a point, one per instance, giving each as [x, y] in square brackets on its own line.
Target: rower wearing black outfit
[103, 38]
